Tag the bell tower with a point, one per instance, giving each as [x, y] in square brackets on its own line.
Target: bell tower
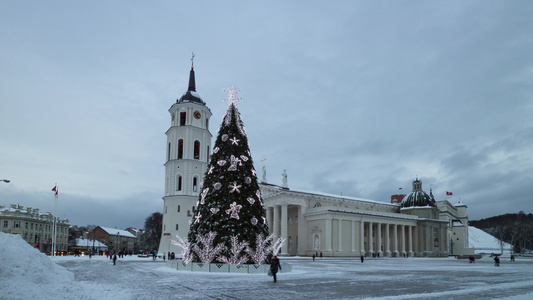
[187, 155]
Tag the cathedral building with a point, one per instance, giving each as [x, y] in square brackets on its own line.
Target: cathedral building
[414, 225]
[346, 226]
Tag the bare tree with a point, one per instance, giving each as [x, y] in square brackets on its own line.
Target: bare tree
[153, 228]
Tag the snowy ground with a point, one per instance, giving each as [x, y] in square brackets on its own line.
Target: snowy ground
[27, 274]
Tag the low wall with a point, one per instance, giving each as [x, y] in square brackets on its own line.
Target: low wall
[225, 268]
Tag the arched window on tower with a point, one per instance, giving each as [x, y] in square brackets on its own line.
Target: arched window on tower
[195, 184]
[179, 182]
[180, 149]
[168, 152]
[183, 117]
[196, 149]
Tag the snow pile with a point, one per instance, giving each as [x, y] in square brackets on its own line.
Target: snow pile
[485, 243]
[23, 267]
[26, 273]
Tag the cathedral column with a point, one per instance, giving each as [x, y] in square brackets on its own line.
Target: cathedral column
[402, 238]
[284, 229]
[353, 236]
[340, 235]
[378, 244]
[302, 234]
[410, 233]
[362, 237]
[370, 238]
[276, 221]
[328, 233]
[395, 240]
[269, 219]
[387, 240]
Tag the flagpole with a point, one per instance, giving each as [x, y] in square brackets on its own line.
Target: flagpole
[55, 225]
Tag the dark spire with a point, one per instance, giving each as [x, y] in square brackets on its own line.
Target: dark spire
[192, 83]
[191, 95]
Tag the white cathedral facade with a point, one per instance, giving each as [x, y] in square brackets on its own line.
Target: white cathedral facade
[311, 223]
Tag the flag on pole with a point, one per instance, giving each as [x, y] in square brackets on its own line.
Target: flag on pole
[56, 190]
[449, 193]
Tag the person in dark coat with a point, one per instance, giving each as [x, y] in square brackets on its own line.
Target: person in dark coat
[362, 259]
[114, 259]
[274, 266]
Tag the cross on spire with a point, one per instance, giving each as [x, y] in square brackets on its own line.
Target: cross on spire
[192, 61]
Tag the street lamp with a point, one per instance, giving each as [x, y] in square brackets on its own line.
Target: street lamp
[5, 180]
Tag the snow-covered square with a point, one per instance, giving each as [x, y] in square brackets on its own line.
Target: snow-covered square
[25, 273]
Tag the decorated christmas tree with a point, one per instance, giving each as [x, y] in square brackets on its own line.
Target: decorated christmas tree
[229, 224]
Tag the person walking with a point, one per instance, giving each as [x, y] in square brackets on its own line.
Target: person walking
[362, 259]
[274, 266]
[114, 259]
[313, 257]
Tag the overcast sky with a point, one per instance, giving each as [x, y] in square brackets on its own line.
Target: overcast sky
[350, 97]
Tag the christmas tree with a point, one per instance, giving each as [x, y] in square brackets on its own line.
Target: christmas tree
[229, 223]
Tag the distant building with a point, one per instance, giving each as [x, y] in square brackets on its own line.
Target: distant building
[115, 239]
[396, 199]
[34, 227]
[138, 233]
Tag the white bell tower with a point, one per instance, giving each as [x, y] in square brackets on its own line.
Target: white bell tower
[187, 154]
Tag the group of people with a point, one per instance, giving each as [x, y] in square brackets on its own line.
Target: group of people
[171, 256]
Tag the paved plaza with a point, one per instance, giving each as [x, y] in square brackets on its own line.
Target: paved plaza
[326, 278]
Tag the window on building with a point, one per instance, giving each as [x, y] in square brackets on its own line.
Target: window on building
[179, 208]
[31, 226]
[165, 209]
[168, 153]
[177, 226]
[207, 123]
[195, 184]
[180, 149]
[179, 182]
[183, 117]
[164, 227]
[208, 153]
[26, 226]
[196, 149]
[189, 213]
[17, 224]
[5, 223]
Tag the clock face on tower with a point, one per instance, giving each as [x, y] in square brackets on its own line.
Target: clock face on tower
[197, 114]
